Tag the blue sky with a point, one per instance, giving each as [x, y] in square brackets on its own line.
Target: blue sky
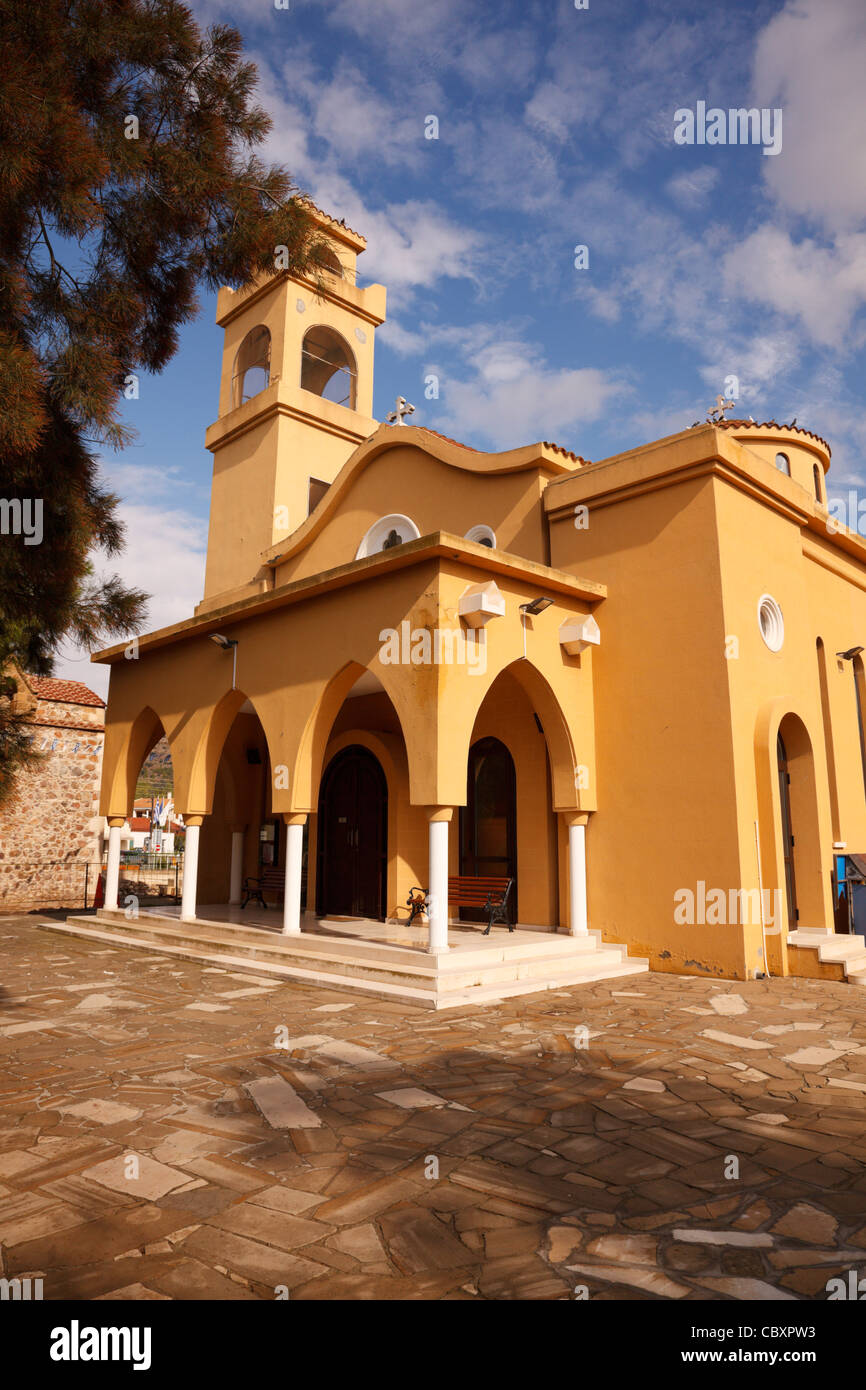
[556, 129]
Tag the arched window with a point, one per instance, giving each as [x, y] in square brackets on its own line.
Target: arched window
[328, 367]
[387, 532]
[816, 477]
[330, 261]
[783, 464]
[252, 365]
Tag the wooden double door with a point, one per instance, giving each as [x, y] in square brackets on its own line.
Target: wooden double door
[353, 836]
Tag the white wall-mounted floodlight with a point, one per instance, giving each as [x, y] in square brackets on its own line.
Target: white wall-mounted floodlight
[228, 644]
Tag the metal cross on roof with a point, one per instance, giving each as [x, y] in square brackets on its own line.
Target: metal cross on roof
[717, 412]
[395, 417]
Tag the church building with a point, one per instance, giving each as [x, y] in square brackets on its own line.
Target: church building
[629, 691]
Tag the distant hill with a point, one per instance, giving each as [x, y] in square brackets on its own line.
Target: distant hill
[157, 774]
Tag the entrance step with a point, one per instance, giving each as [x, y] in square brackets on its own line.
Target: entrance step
[464, 975]
[847, 953]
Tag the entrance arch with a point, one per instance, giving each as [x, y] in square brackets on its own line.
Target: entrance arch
[353, 836]
[799, 828]
[488, 821]
[787, 831]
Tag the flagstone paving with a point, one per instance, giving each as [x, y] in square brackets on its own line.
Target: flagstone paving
[156, 1141]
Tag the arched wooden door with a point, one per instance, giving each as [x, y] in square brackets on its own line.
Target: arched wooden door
[488, 821]
[353, 836]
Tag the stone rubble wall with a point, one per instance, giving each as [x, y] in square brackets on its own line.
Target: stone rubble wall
[49, 827]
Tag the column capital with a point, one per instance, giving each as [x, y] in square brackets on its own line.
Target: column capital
[116, 822]
[575, 817]
[439, 813]
[295, 817]
[191, 822]
[237, 828]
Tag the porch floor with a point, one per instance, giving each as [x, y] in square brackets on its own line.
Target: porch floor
[461, 935]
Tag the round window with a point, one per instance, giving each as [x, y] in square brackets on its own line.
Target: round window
[483, 535]
[386, 533]
[771, 622]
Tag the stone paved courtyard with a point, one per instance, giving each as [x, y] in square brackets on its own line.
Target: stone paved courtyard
[157, 1143]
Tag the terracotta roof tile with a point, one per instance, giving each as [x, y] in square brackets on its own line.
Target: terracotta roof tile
[765, 425]
[335, 221]
[449, 440]
[558, 449]
[69, 692]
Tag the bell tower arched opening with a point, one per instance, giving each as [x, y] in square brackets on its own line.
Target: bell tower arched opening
[252, 371]
[328, 366]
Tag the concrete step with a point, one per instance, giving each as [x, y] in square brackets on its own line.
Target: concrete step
[456, 970]
[461, 970]
[460, 977]
[835, 948]
[551, 944]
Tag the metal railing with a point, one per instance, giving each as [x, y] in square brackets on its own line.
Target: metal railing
[36, 886]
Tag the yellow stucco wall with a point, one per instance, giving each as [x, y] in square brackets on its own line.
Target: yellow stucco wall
[663, 735]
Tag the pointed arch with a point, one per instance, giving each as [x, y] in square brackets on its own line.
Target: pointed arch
[558, 734]
[457, 715]
[317, 731]
[209, 751]
[121, 774]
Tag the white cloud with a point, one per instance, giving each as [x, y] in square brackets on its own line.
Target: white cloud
[810, 61]
[508, 394]
[823, 287]
[356, 121]
[164, 555]
[691, 188]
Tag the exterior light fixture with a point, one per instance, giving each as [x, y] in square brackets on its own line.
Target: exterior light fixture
[850, 654]
[228, 644]
[536, 606]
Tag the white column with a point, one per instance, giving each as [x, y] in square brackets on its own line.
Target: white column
[190, 873]
[292, 888]
[437, 908]
[577, 880]
[112, 871]
[237, 867]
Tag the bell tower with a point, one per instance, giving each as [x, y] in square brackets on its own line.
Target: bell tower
[296, 396]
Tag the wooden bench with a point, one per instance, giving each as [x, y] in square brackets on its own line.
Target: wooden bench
[490, 895]
[272, 879]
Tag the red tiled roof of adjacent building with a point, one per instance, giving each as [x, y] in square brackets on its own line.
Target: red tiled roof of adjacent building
[143, 823]
[67, 692]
